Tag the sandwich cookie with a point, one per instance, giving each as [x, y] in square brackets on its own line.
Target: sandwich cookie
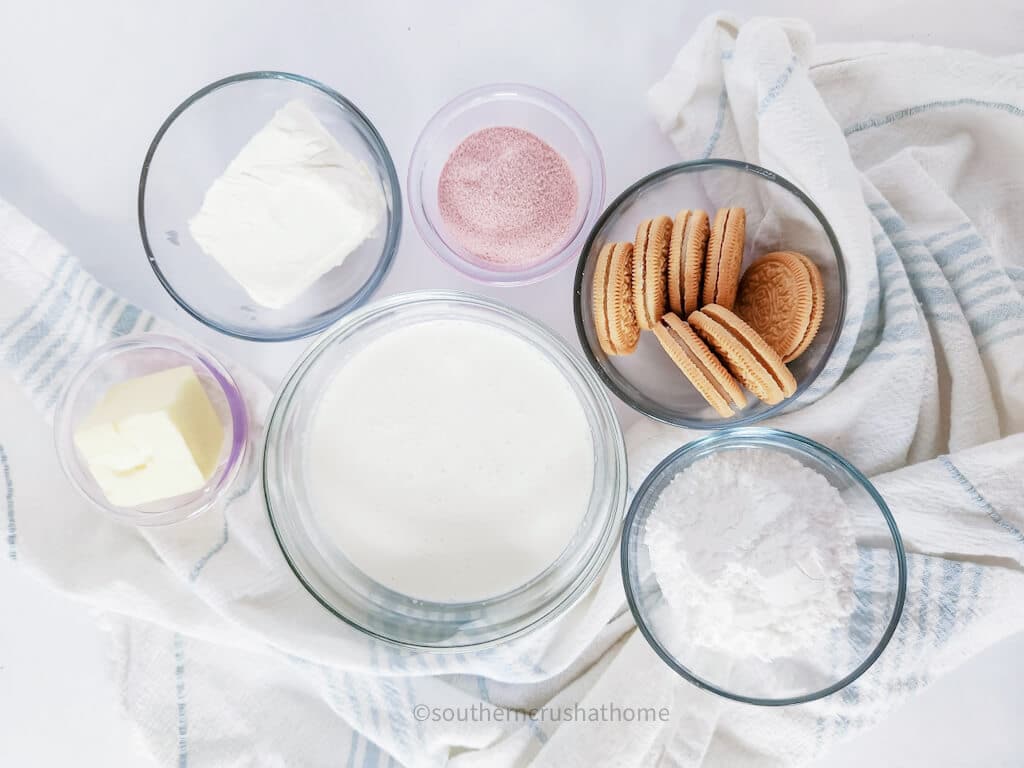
[817, 306]
[775, 298]
[747, 356]
[686, 255]
[700, 366]
[725, 257]
[650, 266]
[614, 314]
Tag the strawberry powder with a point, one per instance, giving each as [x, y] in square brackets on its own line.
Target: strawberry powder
[507, 197]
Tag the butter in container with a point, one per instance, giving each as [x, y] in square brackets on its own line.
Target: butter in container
[151, 430]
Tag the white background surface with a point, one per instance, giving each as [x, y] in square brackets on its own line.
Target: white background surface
[84, 87]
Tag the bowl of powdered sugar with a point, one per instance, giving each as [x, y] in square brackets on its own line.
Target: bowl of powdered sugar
[764, 567]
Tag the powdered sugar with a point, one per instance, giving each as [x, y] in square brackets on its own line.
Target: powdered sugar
[753, 552]
[507, 197]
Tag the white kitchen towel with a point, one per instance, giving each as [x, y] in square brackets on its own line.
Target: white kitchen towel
[914, 154]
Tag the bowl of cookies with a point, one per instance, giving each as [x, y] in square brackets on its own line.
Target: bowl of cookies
[710, 294]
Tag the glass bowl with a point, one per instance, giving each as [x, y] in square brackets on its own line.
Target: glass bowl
[129, 357]
[779, 217]
[517, 106]
[873, 571]
[194, 146]
[369, 606]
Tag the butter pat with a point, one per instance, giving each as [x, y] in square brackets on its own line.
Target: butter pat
[289, 208]
[151, 438]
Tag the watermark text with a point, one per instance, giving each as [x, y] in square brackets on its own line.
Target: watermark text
[574, 713]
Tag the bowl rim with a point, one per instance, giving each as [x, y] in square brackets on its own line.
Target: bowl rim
[237, 433]
[479, 95]
[805, 445]
[581, 582]
[392, 239]
[690, 166]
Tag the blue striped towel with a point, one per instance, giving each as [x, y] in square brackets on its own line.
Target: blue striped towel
[915, 156]
[912, 154]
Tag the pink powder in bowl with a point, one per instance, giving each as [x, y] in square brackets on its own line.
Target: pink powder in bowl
[507, 197]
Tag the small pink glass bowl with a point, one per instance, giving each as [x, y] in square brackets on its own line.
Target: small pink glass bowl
[138, 355]
[517, 106]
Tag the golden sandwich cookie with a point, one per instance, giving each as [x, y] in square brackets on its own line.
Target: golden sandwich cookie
[614, 313]
[725, 257]
[776, 299]
[817, 307]
[686, 255]
[747, 356]
[650, 266]
[700, 366]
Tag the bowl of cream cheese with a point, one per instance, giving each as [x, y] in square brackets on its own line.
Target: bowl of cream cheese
[269, 206]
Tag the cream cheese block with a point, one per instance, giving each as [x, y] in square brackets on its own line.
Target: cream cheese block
[289, 208]
[151, 438]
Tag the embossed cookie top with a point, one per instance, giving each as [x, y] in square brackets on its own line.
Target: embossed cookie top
[776, 299]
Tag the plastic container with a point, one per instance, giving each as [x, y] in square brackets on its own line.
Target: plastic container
[194, 146]
[517, 106]
[378, 611]
[130, 357]
[779, 217]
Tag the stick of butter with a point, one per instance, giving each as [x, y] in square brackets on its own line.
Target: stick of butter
[151, 438]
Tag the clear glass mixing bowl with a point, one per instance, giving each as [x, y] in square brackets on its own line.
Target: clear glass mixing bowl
[779, 217]
[517, 106]
[831, 657]
[194, 146]
[138, 355]
[369, 606]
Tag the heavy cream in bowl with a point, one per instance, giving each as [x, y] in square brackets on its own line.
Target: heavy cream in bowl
[451, 461]
[443, 472]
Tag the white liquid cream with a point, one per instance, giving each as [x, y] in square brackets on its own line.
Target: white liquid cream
[450, 461]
